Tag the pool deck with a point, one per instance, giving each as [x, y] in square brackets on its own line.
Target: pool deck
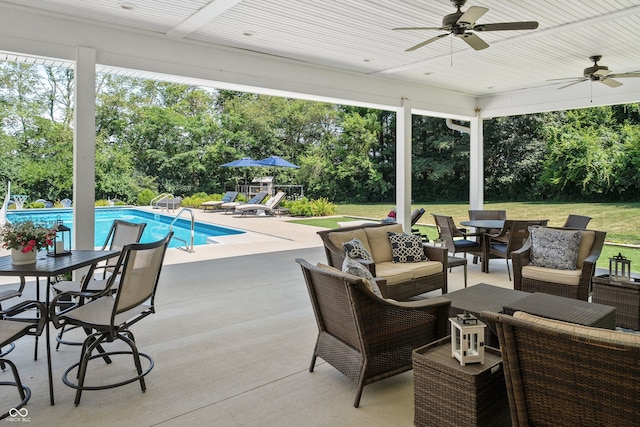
[232, 340]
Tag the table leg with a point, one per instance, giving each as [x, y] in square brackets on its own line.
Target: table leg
[48, 340]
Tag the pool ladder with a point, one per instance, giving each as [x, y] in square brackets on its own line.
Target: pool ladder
[188, 246]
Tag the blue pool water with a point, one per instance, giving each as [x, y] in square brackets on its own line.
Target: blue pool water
[157, 224]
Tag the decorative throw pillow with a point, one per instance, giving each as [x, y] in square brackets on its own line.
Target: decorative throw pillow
[551, 248]
[351, 266]
[406, 247]
[355, 249]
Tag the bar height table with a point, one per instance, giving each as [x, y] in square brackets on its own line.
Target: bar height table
[49, 267]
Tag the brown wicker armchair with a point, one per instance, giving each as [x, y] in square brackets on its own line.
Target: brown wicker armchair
[559, 374]
[366, 337]
[565, 283]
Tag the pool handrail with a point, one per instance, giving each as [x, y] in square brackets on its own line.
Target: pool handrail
[154, 202]
[188, 245]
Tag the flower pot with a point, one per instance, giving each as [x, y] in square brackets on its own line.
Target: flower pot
[20, 258]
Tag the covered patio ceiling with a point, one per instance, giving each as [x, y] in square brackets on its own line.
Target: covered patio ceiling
[337, 51]
[344, 51]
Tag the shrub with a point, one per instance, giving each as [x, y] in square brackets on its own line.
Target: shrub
[145, 197]
[102, 202]
[196, 200]
[304, 207]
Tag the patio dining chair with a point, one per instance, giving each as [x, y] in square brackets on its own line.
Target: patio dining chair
[14, 325]
[509, 239]
[455, 239]
[112, 316]
[577, 221]
[120, 234]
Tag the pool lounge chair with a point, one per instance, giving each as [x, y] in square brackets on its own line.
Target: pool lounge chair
[228, 197]
[66, 203]
[262, 209]
[231, 206]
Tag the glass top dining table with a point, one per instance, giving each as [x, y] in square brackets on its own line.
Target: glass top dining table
[49, 267]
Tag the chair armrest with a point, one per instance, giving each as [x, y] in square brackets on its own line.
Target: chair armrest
[435, 253]
[519, 259]
[371, 265]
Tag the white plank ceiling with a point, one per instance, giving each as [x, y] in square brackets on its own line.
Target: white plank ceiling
[356, 36]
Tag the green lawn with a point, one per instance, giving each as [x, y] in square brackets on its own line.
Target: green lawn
[621, 221]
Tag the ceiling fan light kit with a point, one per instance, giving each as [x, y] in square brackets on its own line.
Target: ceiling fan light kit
[463, 24]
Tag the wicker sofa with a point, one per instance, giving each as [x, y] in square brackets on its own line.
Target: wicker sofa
[565, 283]
[402, 280]
[563, 374]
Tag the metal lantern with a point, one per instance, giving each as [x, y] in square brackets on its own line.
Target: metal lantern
[62, 243]
[620, 267]
[467, 339]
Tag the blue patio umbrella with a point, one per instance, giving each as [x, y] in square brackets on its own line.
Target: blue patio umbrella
[277, 161]
[244, 162]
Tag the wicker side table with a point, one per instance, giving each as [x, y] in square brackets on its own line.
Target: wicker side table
[623, 295]
[447, 394]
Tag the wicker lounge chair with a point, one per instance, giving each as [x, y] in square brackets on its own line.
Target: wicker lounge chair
[262, 209]
[561, 374]
[229, 196]
[365, 337]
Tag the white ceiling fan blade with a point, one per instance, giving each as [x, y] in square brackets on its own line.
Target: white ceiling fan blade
[573, 83]
[420, 28]
[623, 75]
[610, 82]
[472, 15]
[566, 78]
[506, 26]
[426, 42]
[474, 41]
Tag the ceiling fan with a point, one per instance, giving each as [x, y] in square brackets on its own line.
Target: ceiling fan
[461, 24]
[598, 73]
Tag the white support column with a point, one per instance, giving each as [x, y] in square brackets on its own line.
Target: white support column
[476, 167]
[84, 149]
[403, 165]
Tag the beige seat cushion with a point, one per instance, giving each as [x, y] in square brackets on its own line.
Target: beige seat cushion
[379, 242]
[394, 272]
[566, 277]
[402, 272]
[340, 237]
[622, 337]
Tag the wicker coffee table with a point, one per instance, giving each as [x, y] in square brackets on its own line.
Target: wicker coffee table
[447, 394]
[482, 297]
[624, 295]
[565, 309]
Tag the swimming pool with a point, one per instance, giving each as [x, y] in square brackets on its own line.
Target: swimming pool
[157, 224]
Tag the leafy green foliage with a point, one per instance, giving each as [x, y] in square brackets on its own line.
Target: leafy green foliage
[145, 196]
[306, 207]
[164, 137]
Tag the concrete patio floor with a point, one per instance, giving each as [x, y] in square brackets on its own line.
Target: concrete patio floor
[232, 340]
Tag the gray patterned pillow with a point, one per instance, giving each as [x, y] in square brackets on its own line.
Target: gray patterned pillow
[355, 249]
[406, 247]
[557, 249]
[351, 266]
